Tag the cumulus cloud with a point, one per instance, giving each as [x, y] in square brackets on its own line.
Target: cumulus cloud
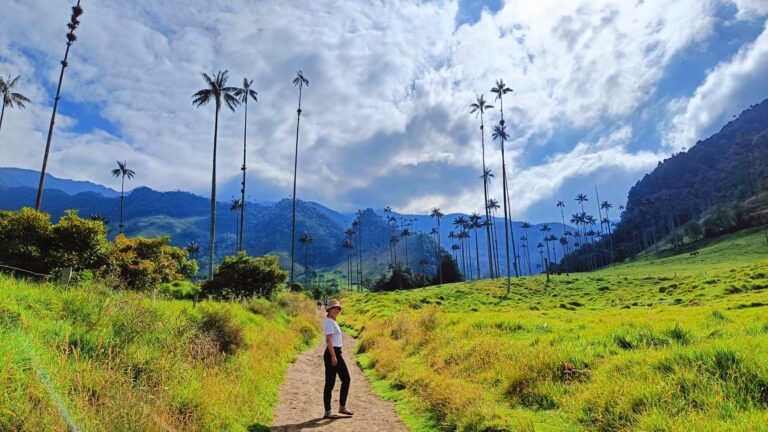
[385, 116]
[727, 90]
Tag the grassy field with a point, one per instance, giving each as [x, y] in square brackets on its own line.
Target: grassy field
[662, 343]
[91, 359]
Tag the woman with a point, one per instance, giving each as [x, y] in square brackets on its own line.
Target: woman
[334, 362]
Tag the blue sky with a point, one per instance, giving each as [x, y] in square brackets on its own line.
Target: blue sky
[603, 90]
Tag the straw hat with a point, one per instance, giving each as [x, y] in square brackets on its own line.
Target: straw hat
[332, 304]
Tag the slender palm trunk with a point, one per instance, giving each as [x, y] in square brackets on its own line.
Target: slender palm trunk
[242, 188]
[477, 255]
[495, 233]
[122, 197]
[439, 262]
[406, 253]
[360, 255]
[2, 114]
[506, 213]
[295, 167]
[213, 197]
[515, 263]
[306, 264]
[39, 199]
[485, 205]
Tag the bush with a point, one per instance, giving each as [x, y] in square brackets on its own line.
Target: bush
[241, 275]
[180, 289]
[223, 330]
[400, 278]
[145, 263]
[25, 238]
[451, 271]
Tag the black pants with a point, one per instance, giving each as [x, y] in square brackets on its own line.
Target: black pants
[330, 378]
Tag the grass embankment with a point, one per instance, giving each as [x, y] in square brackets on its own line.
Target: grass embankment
[675, 343]
[94, 359]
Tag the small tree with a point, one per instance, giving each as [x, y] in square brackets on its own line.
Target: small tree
[241, 275]
[145, 263]
[451, 272]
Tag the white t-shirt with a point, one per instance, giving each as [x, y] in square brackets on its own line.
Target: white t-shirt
[332, 328]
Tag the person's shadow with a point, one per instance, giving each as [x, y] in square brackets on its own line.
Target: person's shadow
[310, 424]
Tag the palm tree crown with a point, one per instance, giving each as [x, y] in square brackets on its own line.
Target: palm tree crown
[216, 90]
[11, 98]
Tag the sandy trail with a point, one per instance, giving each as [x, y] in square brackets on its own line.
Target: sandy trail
[301, 398]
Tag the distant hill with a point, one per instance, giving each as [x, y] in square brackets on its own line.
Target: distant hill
[185, 217]
[18, 177]
[729, 167]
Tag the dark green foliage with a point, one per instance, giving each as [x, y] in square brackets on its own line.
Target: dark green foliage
[25, 239]
[718, 181]
[29, 241]
[451, 271]
[144, 264]
[241, 275]
[400, 278]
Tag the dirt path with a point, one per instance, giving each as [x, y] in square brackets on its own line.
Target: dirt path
[301, 398]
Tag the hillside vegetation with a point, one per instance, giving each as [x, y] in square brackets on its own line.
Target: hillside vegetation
[660, 343]
[90, 358]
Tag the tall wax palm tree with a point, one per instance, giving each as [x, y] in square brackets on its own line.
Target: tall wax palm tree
[299, 82]
[393, 236]
[561, 205]
[193, 248]
[360, 245]
[546, 229]
[349, 246]
[405, 233]
[464, 237]
[305, 239]
[541, 253]
[123, 171]
[474, 223]
[11, 98]
[356, 228]
[243, 94]
[492, 206]
[437, 214]
[235, 208]
[216, 91]
[581, 198]
[526, 226]
[500, 133]
[501, 89]
[607, 206]
[478, 108]
[459, 223]
[74, 22]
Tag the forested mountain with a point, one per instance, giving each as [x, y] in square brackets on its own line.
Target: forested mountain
[185, 217]
[717, 175]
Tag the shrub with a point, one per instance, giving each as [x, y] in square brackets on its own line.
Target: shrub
[145, 263]
[223, 330]
[241, 275]
[25, 238]
[79, 243]
[180, 289]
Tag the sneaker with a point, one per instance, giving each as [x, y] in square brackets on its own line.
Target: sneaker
[344, 410]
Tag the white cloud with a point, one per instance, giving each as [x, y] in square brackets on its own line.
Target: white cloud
[390, 83]
[727, 90]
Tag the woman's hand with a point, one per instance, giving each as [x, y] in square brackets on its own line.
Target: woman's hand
[334, 361]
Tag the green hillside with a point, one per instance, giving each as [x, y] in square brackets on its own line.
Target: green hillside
[660, 343]
[91, 359]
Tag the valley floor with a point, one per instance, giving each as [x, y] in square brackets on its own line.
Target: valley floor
[664, 343]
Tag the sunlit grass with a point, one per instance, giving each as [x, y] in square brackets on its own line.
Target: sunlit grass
[104, 360]
[675, 343]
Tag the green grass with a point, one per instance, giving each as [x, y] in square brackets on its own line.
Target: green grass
[90, 358]
[668, 343]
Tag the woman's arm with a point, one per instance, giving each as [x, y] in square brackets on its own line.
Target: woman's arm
[329, 342]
